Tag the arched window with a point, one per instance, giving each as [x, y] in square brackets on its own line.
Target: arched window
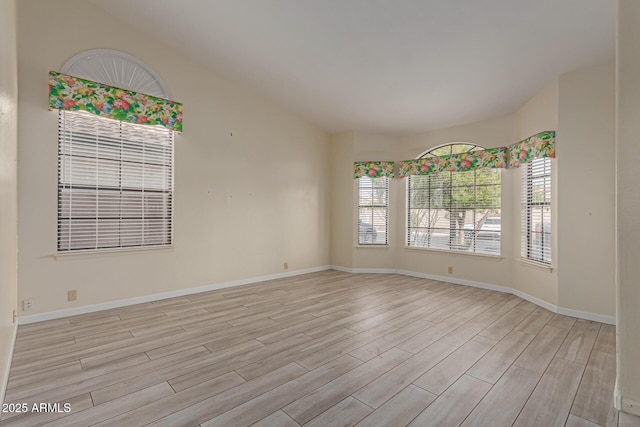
[455, 211]
[115, 178]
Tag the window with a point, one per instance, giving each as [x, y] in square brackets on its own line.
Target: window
[115, 183]
[373, 210]
[536, 210]
[455, 211]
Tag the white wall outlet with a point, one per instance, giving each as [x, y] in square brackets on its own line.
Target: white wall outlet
[27, 304]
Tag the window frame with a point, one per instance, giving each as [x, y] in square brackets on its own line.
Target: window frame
[458, 248]
[149, 206]
[373, 206]
[527, 228]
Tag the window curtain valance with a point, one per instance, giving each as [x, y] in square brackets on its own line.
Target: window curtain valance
[534, 147]
[539, 145]
[372, 169]
[73, 93]
[462, 162]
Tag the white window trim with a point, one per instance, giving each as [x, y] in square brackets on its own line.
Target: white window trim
[444, 251]
[357, 221]
[537, 265]
[92, 253]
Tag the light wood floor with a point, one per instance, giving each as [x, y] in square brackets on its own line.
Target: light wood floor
[322, 349]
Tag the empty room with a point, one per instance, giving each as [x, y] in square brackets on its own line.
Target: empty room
[319, 213]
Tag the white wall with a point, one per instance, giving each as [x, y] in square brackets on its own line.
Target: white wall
[8, 186]
[244, 204]
[538, 114]
[628, 205]
[586, 190]
[342, 210]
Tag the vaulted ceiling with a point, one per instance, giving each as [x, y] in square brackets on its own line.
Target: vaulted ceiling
[395, 66]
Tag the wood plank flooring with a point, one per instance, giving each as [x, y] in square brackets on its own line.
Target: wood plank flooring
[323, 349]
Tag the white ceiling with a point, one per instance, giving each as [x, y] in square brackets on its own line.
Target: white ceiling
[395, 66]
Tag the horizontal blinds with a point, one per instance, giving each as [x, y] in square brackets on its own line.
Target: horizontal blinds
[536, 210]
[373, 210]
[455, 211]
[115, 183]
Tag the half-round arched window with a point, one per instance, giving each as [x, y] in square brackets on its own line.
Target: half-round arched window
[455, 211]
[115, 176]
[118, 69]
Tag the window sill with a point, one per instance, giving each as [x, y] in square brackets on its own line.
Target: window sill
[442, 251]
[91, 253]
[372, 246]
[537, 265]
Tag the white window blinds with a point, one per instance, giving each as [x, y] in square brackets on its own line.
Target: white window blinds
[115, 183]
[536, 210]
[373, 210]
[455, 211]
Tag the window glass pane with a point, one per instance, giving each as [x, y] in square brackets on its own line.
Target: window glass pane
[441, 151]
[458, 211]
[462, 148]
[373, 210]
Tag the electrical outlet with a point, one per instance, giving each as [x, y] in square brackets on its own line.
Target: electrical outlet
[450, 270]
[14, 316]
[72, 295]
[27, 304]
[286, 265]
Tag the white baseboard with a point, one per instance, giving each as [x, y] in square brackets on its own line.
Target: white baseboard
[617, 399]
[623, 404]
[340, 268]
[456, 281]
[631, 407]
[4, 381]
[537, 301]
[365, 270]
[610, 320]
[24, 320]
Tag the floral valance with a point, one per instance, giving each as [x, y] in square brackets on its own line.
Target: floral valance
[73, 93]
[534, 147]
[488, 158]
[372, 169]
